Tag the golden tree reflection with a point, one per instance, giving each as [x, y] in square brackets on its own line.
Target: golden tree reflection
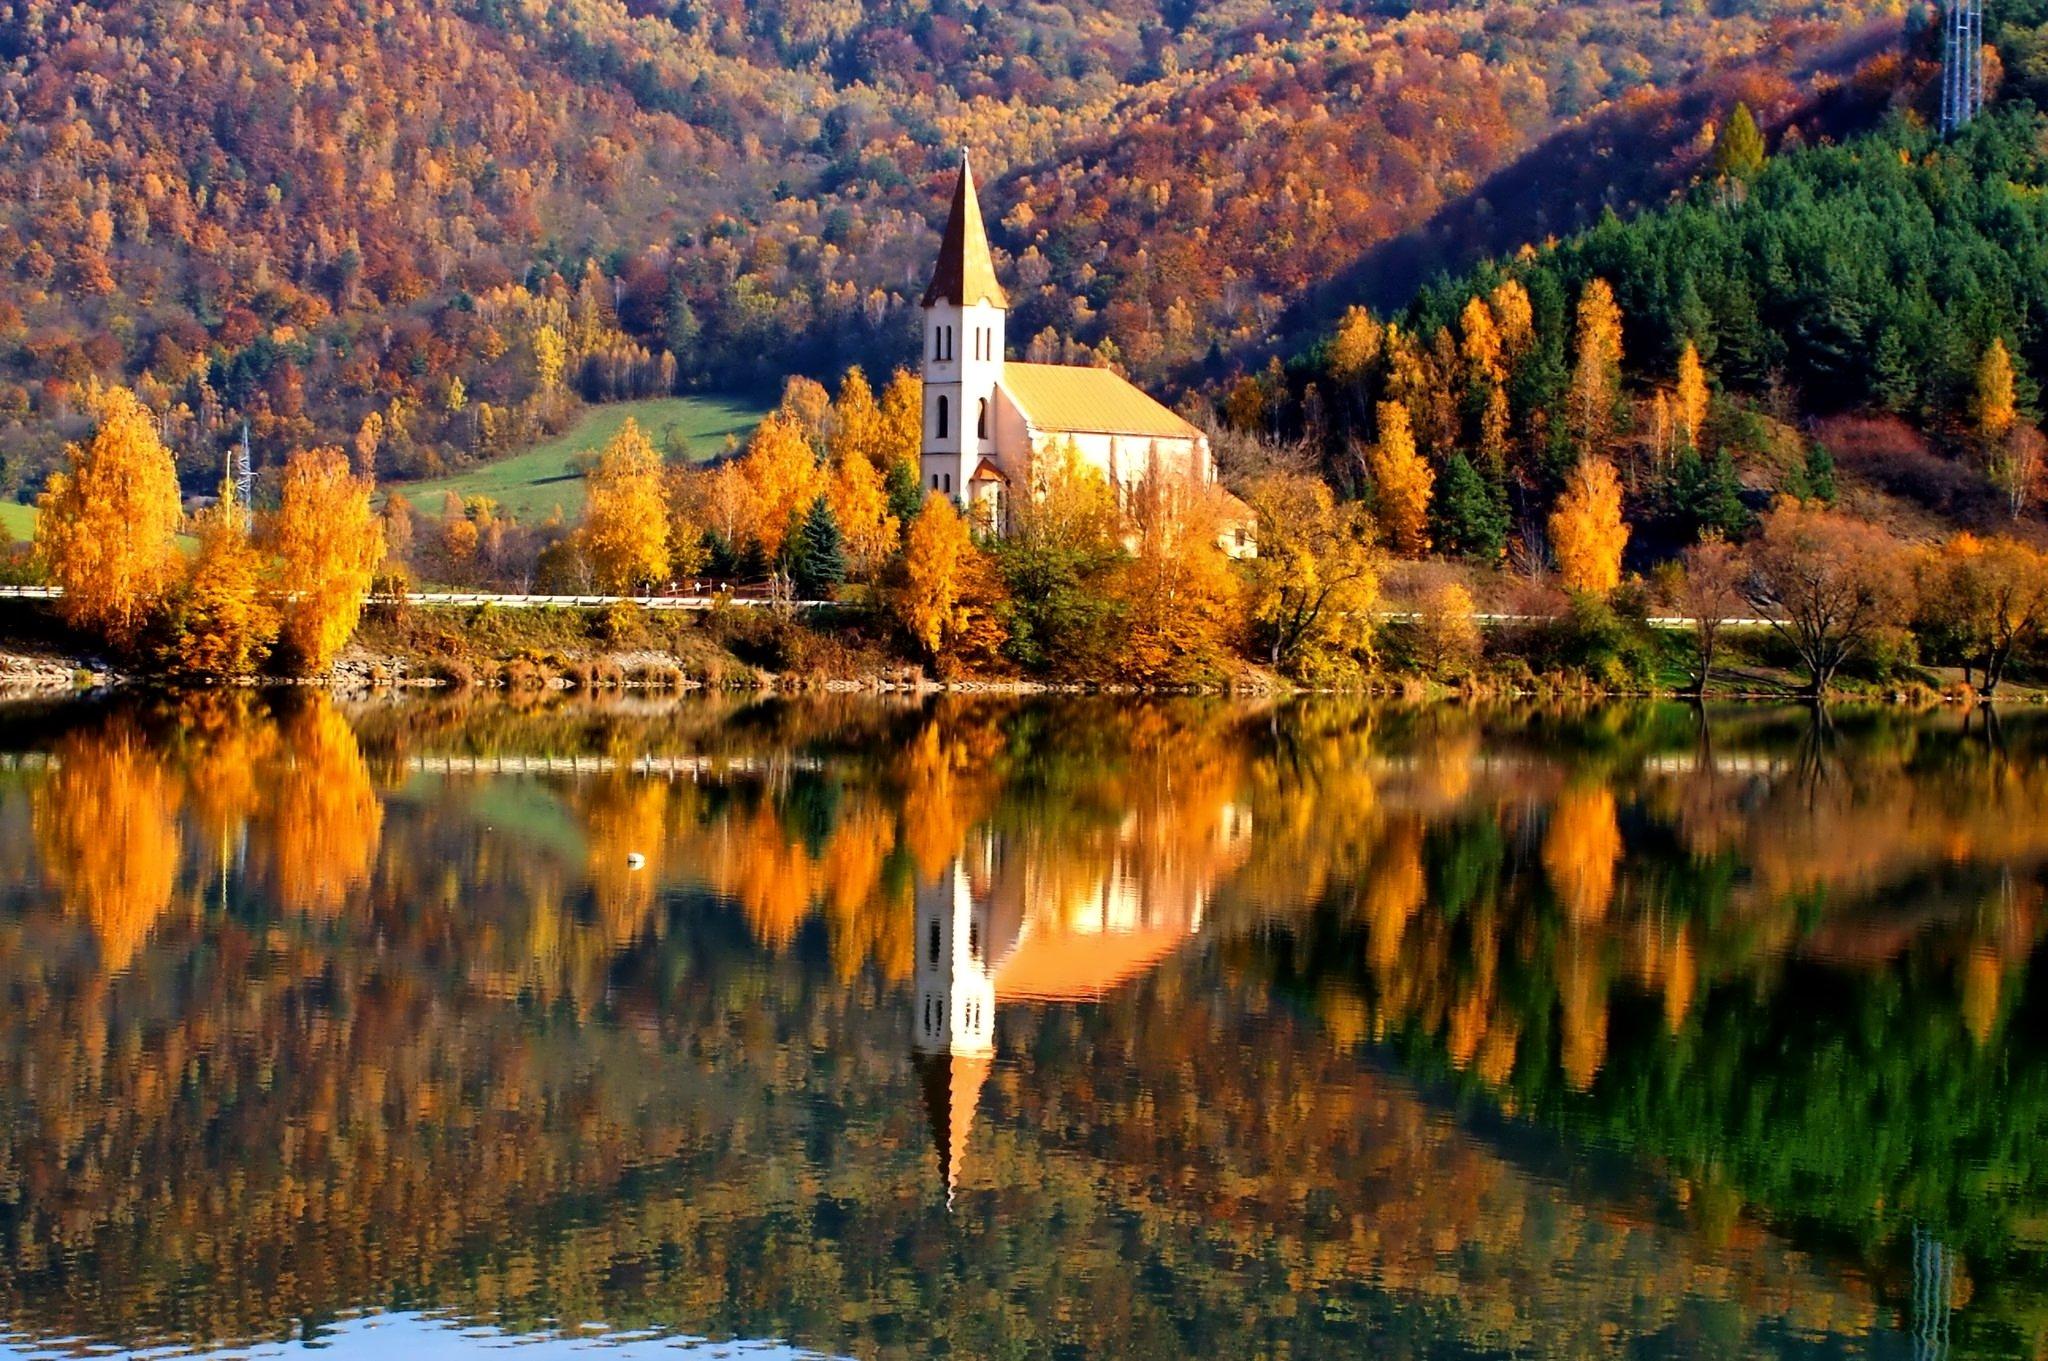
[107, 835]
[1581, 848]
[322, 814]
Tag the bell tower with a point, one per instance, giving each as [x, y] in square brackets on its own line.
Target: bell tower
[953, 1032]
[964, 310]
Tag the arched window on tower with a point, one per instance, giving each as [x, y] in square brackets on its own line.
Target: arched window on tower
[981, 420]
[944, 417]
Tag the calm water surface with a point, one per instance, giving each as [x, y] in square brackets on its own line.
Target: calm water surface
[1075, 1028]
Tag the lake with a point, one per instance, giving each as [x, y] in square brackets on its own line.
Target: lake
[1075, 1027]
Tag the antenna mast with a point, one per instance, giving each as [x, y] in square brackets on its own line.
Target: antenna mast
[1962, 63]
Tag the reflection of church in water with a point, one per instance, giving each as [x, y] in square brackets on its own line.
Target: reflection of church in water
[998, 926]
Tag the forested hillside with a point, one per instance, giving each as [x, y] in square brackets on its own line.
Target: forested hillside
[427, 229]
[1874, 308]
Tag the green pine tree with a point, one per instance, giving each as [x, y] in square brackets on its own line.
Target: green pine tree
[906, 493]
[817, 553]
[1470, 513]
[1813, 477]
[1708, 496]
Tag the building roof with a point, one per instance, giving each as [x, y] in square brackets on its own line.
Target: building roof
[1066, 398]
[965, 273]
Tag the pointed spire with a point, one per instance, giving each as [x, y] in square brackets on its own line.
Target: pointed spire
[952, 1087]
[965, 274]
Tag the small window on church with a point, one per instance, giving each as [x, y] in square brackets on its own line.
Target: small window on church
[949, 484]
[934, 950]
[974, 941]
[944, 414]
[981, 420]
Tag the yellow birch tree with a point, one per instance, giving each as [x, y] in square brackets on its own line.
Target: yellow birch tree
[625, 534]
[860, 506]
[328, 542]
[902, 410]
[1996, 408]
[1404, 481]
[107, 527]
[782, 474]
[948, 590]
[1587, 532]
[1691, 408]
[1596, 377]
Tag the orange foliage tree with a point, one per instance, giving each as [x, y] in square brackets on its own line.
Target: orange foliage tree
[1178, 590]
[946, 596]
[107, 833]
[328, 542]
[1596, 374]
[107, 531]
[1991, 595]
[781, 475]
[1587, 532]
[1402, 481]
[221, 620]
[625, 533]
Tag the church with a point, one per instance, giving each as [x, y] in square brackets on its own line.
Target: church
[986, 418]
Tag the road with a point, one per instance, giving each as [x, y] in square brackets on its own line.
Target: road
[502, 600]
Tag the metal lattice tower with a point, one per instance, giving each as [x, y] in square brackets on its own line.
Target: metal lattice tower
[1962, 62]
[245, 478]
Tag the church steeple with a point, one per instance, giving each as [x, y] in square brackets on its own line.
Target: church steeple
[964, 311]
[965, 274]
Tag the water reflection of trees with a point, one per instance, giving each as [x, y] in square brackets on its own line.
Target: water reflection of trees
[285, 1000]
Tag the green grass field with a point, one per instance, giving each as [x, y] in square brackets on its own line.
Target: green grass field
[532, 483]
[17, 522]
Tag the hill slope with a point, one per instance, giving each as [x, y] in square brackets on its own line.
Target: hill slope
[305, 212]
[1848, 298]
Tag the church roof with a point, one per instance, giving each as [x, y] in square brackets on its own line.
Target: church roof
[965, 274]
[1070, 399]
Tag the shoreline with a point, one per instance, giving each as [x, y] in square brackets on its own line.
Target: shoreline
[41, 675]
[549, 652]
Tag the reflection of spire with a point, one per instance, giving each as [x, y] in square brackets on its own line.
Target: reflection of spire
[952, 1086]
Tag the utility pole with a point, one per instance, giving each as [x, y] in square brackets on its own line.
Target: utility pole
[1962, 63]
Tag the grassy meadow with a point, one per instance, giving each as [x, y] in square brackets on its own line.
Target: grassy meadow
[532, 483]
